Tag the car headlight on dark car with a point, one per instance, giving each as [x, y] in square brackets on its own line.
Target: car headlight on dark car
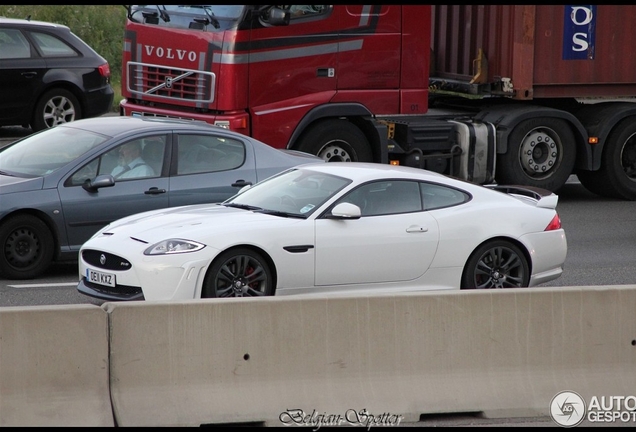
[173, 246]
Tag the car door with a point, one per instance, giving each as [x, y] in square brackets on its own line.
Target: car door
[85, 212]
[20, 77]
[393, 240]
[209, 168]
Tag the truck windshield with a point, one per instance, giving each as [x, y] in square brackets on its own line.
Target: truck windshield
[194, 17]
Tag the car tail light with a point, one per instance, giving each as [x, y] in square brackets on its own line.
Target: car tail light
[104, 70]
[554, 224]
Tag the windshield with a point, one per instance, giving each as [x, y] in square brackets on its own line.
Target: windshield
[297, 192]
[196, 17]
[46, 151]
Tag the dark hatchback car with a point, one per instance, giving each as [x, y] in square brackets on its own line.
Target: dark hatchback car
[49, 76]
[61, 185]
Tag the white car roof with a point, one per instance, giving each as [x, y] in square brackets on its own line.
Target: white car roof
[362, 171]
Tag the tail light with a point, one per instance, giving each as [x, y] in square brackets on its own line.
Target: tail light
[554, 224]
[104, 70]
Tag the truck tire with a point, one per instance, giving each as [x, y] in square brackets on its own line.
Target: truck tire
[541, 153]
[56, 106]
[336, 141]
[617, 176]
[27, 247]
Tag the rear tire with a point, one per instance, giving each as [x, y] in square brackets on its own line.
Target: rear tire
[541, 153]
[336, 141]
[27, 247]
[496, 264]
[238, 272]
[55, 107]
[617, 176]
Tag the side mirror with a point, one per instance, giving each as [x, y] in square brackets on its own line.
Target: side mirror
[345, 211]
[278, 17]
[105, 180]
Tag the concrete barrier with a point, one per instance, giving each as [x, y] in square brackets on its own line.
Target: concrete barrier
[273, 360]
[54, 366]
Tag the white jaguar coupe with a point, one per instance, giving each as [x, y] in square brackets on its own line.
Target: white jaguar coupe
[339, 227]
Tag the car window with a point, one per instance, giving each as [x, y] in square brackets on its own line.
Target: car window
[304, 11]
[128, 161]
[386, 197]
[139, 158]
[13, 45]
[208, 153]
[44, 152]
[437, 196]
[295, 191]
[87, 172]
[51, 46]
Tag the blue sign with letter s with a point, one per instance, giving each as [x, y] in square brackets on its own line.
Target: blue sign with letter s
[579, 32]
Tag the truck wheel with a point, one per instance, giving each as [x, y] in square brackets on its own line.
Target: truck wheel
[55, 107]
[541, 153]
[27, 247]
[336, 141]
[617, 176]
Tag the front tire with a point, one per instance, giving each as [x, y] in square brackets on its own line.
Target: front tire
[541, 153]
[496, 264]
[55, 107]
[617, 176]
[238, 272]
[27, 247]
[336, 141]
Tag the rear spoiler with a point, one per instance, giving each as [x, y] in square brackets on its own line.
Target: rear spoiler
[543, 197]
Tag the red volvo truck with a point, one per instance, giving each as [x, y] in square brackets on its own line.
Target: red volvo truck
[512, 94]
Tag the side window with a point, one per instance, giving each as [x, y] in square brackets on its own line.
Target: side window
[87, 172]
[437, 196]
[208, 153]
[386, 197]
[50, 46]
[139, 158]
[13, 45]
[304, 11]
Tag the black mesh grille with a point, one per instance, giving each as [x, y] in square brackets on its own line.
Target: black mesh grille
[105, 260]
[121, 292]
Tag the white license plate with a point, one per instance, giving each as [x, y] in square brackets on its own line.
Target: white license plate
[100, 278]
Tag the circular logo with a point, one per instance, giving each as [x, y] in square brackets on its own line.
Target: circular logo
[567, 409]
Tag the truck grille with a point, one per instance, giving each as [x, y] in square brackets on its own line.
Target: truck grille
[170, 83]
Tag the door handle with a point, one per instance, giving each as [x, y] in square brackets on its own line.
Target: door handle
[241, 183]
[154, 191]
[416, 229]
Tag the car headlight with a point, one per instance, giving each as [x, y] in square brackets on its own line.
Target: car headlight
[173, 246]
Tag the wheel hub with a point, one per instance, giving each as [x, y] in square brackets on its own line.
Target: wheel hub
[497, 278]
[58, 113]
[239, 287]
[334, 153]
[539, 153]
[22, 248]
